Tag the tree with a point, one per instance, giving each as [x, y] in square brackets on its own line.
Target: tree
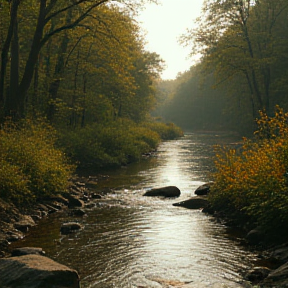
[98, 73]
[238, 39]
[14, 4]
[193, 104]
[50, 15]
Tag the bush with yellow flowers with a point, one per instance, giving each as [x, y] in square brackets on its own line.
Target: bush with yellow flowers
[251, 181]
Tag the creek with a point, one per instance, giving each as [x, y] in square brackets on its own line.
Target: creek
[133, 241]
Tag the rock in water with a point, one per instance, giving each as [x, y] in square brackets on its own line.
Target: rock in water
[27, 251]
[203, 189]
[35, 271]
[70, 227]
[193, 203]
[168, 191]
[25, 223]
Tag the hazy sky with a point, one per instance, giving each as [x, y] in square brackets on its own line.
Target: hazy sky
[164, 24]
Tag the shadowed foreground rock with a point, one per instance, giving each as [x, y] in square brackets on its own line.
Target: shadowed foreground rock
[168, 191]
[35, 271]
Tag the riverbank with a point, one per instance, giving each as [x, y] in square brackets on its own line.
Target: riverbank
[28, 266]
[15, 222]
[271, 268]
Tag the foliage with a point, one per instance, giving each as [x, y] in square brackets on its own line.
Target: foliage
[193, 104]
[76, 54]
[166, 131]
[243, 43]
[115, 143]
[252, 179]
[81, 65]
[31, 165]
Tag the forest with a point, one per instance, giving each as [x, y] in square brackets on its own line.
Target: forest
[76, 90]
[243, 48]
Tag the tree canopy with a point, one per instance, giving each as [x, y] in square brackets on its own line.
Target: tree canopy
[244, 41]
[243, 46]
[74, 60]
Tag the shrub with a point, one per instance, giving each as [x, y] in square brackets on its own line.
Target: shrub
[13, 183]
[115, 143]
[31, 165]
[166, 131]
[253, 179]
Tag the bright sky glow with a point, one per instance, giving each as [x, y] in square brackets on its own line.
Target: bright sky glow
[164, 24]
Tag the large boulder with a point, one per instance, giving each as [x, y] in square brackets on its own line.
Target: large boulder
[35, 271]
[168, 191]
[57, 198]
[193, 203]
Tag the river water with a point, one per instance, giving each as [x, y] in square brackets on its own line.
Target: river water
[133, 241]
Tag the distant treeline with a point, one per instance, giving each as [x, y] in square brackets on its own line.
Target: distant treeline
[243, 69]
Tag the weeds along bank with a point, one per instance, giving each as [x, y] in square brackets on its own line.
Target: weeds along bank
[37, 161]
[250, 182]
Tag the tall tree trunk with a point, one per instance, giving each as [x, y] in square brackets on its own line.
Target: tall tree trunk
[5, 50]
[254, 82]
[11, 101]
[59, 71]
[251, 98]
[32, 58]
[35, 103]
[84, 99]
[84, 87]
[58, 75]
[244, 17]
[73, 100]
